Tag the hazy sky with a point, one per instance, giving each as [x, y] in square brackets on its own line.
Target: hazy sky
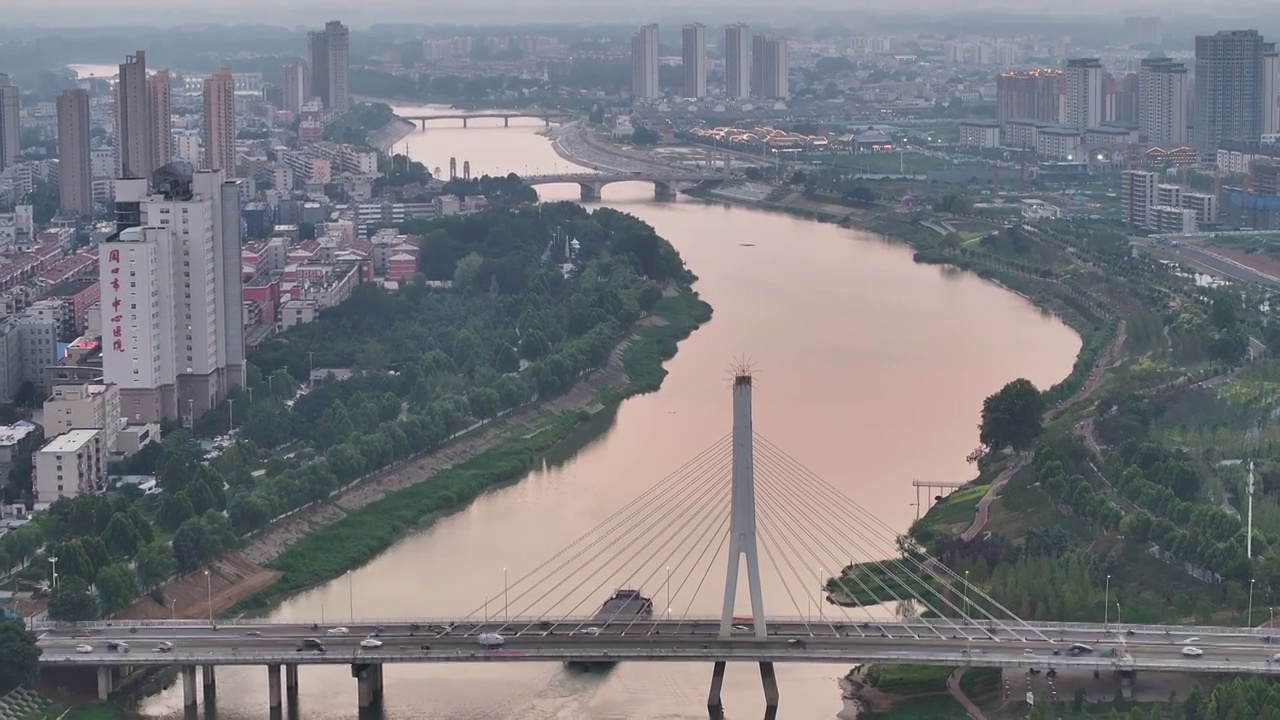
[312, 12]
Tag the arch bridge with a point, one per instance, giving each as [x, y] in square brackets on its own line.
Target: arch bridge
[546, 116]
[665, 184]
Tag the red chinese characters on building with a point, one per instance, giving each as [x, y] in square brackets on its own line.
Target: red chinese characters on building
[117, 320]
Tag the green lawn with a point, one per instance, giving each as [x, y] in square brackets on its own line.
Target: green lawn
[930, 707]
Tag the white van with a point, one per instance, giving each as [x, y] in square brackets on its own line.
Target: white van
[490, 639]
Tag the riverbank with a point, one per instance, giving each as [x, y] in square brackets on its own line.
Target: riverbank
[385, 138]
[325, 540]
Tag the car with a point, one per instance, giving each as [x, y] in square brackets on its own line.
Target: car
[1028, 651]
[1190, 651]
[592, 631]
[1057, 652]
[1276, 657]
[84, 648]
[337, 631]
[796, 642]
[164, 647]
[491, 639]
[370, 643]
[742, 628]
[1190, 641]
[254, 633]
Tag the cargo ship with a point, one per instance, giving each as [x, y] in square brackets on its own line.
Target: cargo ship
[625, 606]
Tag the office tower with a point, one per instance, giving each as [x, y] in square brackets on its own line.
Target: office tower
[1228, 88]
[775, 69]
[75, 176]
[170, 327]
[134, 146]
[757, 65]
[1028, 95]
[737, 61]
[694, 44]
[158, 86]
[1162, 102]
[10, 132]
[644, 63]
[296, 86]
[220, 122]
[1137, 196]
[329, 55]
[1270, 88]
[1082, 96]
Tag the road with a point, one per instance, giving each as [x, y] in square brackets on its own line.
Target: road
[937, 642]
[1208, 261]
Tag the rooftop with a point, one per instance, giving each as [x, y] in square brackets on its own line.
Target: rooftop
[70, 441]
[12, 434]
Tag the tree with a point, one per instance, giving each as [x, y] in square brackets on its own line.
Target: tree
[466, 274]
[121, 537]
[1012, 416]
[19, 655]
[117, 587]
[175, 509]
[72, 602]
[155, 564]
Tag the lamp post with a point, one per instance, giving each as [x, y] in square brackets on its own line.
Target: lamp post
[668, 592]
[822, 585]
[351, 597]
[54, 562]
[208, 584]
[173, 609]
[1251, 602]
[506, 608]
[966, 595]
[1117, 616]
[1106, 603]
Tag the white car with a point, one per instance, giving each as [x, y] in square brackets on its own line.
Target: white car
[84, 648]
[370, 643]
[1190, 641]
[254, 633]
[490, 639]
[337, 631]
[1028, 651]
[592, 631]
[1190, 651]
[742, 628]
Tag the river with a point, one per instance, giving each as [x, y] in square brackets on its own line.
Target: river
[871, 370]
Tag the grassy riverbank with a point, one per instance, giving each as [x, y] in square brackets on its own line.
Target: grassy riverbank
[363, 534]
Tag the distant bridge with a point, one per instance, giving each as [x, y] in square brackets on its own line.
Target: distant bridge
[665, 184]
[546, 116]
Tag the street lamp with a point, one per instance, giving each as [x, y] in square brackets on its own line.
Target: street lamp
[54, 562]
[208, 583]
[173, 611]
[668, 592]
[351, 597]
[1251, 580]
[506, 608]
[822, 586]
[1106, 603]
[1117, 616]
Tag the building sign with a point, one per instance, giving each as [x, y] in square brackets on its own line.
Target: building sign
[117, 317]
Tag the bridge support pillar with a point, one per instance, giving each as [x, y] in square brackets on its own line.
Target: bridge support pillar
[590, 191]
[506, 122]
[715, 709]
[189, 686]
[274, 700]
[663, 191]
[210, 681]
[106, 681]
[368, 685]
[770, 680]
[424, 126]
[464, 122]
[291, 684]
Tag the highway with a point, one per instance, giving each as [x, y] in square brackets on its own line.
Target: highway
[927, 643]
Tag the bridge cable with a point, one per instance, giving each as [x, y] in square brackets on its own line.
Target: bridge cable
[722, 531]
[768, 502]
[705, 503]
[767, 534]
[724, 543]
[834, 494]
[675, 499]
[620, 518]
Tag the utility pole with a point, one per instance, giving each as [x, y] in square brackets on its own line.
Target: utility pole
[1248, 541]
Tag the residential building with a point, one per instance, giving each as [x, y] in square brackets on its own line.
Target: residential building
[329, 55]
[1204, 205]
[980, 133]
[644, 63]
[220, 122]
[1062, 143]
[171, 282]
[694, 46]
[776, 69]
[72, 464]
[84, 407]
[1137, 195]
[133, 121]
[296, 86]
[737, 61]
[18, 443]
[1165, 219]
[159, 107]
[1162, 102]
[1082, 95]
[1029, 95]
[75, 172]
[1229, 88]
[1270, 89]
[757, 65]
[10, 130]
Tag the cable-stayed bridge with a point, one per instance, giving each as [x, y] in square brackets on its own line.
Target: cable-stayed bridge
[742, 527]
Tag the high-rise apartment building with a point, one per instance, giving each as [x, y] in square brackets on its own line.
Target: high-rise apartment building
[161, 111]
[1082, 94]
[1028, 95]
[172, 321]
[75, 172]
[1162, 102]
[329, 55]
[220, 122]
[1229, 88]
[757, 64]
[296, 84]
[644, 63]
[1270, 89]
[694, 46]
[737, 61]
[1137, 196]
[10, 131]
[134, 146]
[774, 83]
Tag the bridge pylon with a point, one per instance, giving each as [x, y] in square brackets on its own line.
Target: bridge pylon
[743, 546]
